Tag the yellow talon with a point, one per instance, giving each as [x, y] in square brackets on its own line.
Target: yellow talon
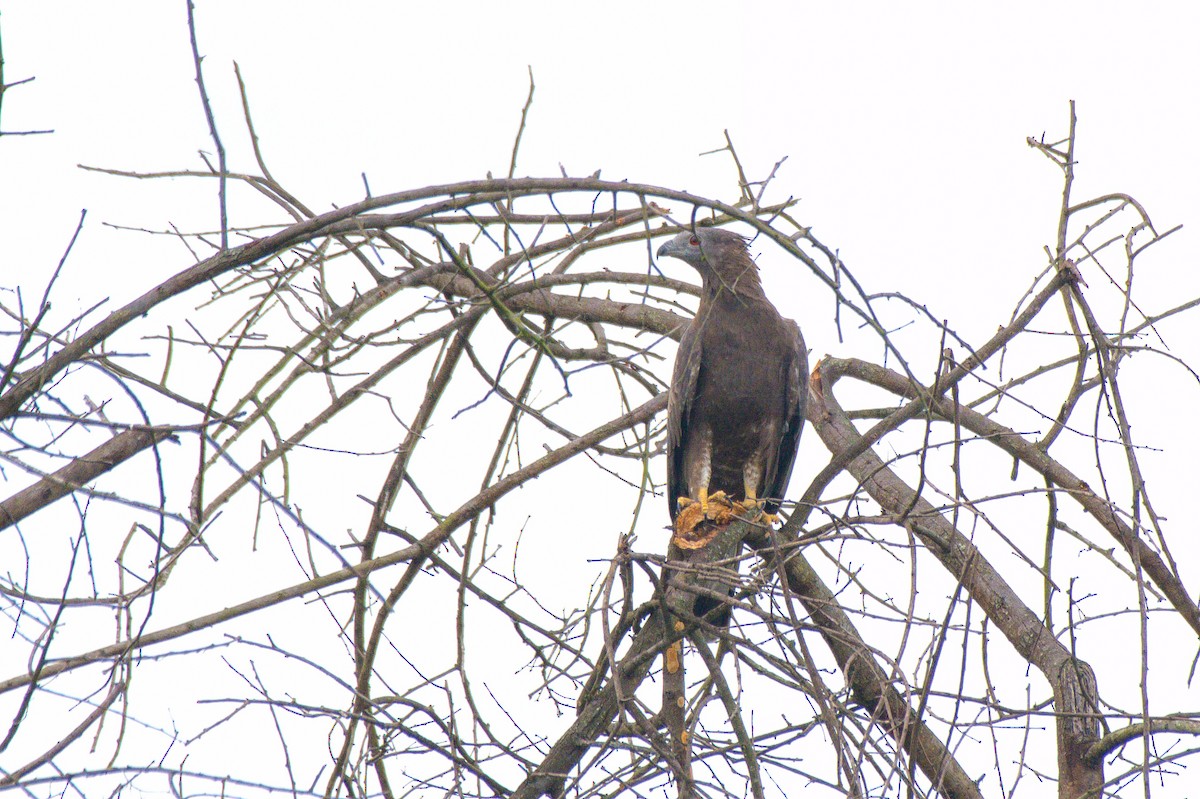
[752, 504]
[715, 508]
[717, 505]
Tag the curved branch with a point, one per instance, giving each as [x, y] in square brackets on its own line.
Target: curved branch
[1032, 455]
[1071, 679]
[870, 685]
[1118, 738]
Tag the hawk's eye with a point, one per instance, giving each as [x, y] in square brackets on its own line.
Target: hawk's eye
[694, 241]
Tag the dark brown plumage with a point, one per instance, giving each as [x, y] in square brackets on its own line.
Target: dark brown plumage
[738, 391]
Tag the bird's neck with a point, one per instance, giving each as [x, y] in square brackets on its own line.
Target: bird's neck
[743, 286]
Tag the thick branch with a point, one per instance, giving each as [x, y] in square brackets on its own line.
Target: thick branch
[1033, 455]
[869, 683]
[534, 297]
[550, 777]
[81, 471]
[1072, 680]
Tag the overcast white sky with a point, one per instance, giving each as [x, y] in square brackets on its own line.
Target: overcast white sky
[903, 125]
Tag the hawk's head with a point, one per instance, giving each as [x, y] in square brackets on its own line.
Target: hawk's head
[719, 256]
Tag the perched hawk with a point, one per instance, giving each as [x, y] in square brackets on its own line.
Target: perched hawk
[739, 388]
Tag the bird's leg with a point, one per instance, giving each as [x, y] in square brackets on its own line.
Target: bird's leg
[691, 513]
[714, 507]
[752, 503]
[717, 507]
[706, 501]
[701, 497]
[751, 476]
[697, 472]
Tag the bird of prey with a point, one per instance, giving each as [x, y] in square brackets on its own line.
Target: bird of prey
[738, 391]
